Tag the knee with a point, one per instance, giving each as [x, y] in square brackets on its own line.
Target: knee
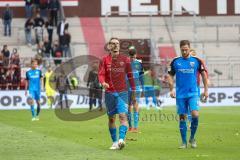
[195, 113]
[111, 120]
[182, 117]
[122, 118]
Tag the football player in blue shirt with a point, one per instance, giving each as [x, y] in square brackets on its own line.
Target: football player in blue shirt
[33, 88]
[137, 70]
[186, 69]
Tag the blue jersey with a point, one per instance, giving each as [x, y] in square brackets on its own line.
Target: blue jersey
[186, 71]
[137, 71]
[34, 79]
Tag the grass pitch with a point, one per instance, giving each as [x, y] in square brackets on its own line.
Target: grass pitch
[218, 137]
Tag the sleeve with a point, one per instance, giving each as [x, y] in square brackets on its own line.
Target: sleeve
[171, 69]
[101, 72]
[130, 74]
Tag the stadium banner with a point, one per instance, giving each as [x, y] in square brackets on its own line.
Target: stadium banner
[21, 3]
[11, 100]
[100, 8]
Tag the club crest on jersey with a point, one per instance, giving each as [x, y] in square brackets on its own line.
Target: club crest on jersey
[121, 63]
[192, 64]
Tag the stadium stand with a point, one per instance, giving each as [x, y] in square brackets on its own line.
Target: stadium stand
[210, 38]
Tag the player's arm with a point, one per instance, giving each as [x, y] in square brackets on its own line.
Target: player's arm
[202, 70]
[171, 73]
[141, 77]
[26, 84]
[102, 74]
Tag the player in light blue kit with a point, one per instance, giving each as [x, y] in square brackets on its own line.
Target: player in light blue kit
[33, 88]
[186, 69]
[137, 70]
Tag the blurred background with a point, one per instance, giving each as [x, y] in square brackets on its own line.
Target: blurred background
[54, 31]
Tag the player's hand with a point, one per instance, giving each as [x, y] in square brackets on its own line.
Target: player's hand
[172, 94]
[105, 85]
[204, 96]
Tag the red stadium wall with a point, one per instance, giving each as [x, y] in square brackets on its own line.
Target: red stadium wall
[95, 8]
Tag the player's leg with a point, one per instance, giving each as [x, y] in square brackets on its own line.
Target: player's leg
[182, 112]
[193, 104]
[129, 116]
[136, 111]
[111, 111]
[130, 112]
[90, 99]
[66, 99]
[61, 99]
[189, 117]
[122, 110]
[113, 131]
[31, 103]
[37, 99]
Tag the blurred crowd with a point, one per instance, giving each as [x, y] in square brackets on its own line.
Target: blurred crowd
[10, 70]
[43, 31]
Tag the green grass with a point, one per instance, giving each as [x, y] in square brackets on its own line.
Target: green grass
[218, 137]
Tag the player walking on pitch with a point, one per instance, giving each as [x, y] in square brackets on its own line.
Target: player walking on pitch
[33, 88]
[186, 69]
[137, 70]
[112, 76]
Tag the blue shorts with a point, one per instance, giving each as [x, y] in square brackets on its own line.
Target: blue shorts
[187, 105]
[137, 94]
[116, 103]
[35, 95]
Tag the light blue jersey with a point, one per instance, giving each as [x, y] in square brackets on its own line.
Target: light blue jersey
[137, 71]
[34, 80]
[186, 71]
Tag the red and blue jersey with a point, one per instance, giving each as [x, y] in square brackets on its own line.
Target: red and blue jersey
[113, 70]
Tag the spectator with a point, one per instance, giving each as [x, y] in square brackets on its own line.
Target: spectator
[16, 79]
[57, 53]
[36, 5]
[38, 26]
[65, 43]
[49, 26]
[62, 85]
[54, 8]
[40, 49]
[28, 31]
[6, 56]
[22, 84]
[43, 6]
[95, 89]
[15, 63]
[62, 26]
[1, 60]
[47, 47]
[3, 82]
[7, 20]
[28, 8]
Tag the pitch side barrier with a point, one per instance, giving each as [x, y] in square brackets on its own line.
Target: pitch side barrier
[15, 100]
